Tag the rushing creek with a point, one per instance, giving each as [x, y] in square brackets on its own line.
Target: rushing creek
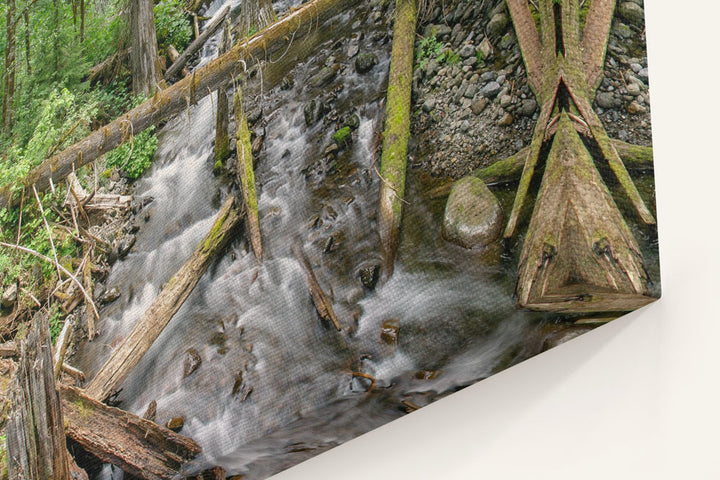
[298, 396]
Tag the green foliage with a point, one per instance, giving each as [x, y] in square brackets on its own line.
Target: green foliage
[341, 136]
[135, 156]
[429, 48]
[56, 321]
[171, 25]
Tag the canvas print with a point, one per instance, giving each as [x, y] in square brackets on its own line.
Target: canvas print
[238, 233]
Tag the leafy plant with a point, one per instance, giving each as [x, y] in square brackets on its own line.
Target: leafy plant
[135, 156]
[171, 24]
[429, 48]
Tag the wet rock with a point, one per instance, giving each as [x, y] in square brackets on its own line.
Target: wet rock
[497, 24]
[254, 115]
[175, 424]
[325, 76]
[309, 113]
[9, 296]
[151, 411]
[390, 331]
[606, 100]
[632, 12]
[473, 217]
[109, 295]
[124, 246]
[353, 122]
[564, 334]
[479, 105]
[528, 107]
[427, 374]
[369, 276]
[192, 362]
[287, 82]
[365, 62]
[491, 89]
[241, 388]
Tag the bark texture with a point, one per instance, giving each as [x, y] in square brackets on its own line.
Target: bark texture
[222, 123]
[9, 91]
[144, 53]
[35, 437]
[298, 33]
[124, 359]
[397, 131]
[254, 16]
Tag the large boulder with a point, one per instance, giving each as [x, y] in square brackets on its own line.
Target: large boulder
[632, 12]
[473, 216]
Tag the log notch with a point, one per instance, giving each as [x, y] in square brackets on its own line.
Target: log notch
[197, 44]
[222, 123]
[35, 437]
[322, 304]
[246, 176]
[124, 359]
[268, 43]
[138, 446]
[397, 131]
[578, 253]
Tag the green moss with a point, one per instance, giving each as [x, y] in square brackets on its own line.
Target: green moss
[342, 136]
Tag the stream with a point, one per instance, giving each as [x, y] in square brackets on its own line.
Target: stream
[276, 384]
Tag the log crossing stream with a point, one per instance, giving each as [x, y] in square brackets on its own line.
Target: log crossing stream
[276, 385]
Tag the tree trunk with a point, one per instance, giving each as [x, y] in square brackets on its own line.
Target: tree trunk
[138, 446]
[578, 255]
[397, 131]
[144, 59]
[9, 92]
[323, 305]
[297, 32]
[222, 122]
[35, 436]
[28, 63]
[254, 16]
[124, 359]
[197, 44]
[246, 176]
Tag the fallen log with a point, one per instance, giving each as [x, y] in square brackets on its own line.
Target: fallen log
[246, 176]
[109, 68]
[508, 170]
[173, 56]
[579, 254]
[124, 359]
[35, 438]
[273, 41]
[397, 131]
[222, 120]
[138, 446]
[322, 304]
[211, 28]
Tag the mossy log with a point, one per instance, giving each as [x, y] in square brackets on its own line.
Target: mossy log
[397, 131]
[139, 447]
[124, 359]
[579, 254]
[35, 437]
[322, 303]
[210, 29]
[246, 176]
[270, 43]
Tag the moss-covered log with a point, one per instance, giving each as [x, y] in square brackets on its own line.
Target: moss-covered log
[124, 359]
[246, 176]
[139, 447]
[210, 29]
[35, 437]
[298, 28]
[397, 131]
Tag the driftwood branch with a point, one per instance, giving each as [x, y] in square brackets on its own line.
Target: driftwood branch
[322, 304]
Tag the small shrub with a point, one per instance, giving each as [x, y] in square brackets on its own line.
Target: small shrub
[171, 25]
[135, 156]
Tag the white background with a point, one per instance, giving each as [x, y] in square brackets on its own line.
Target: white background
[636, 399]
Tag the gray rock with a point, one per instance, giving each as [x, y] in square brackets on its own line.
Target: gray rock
[192, 362]
[643, 75]
[369, 276]
[488, 76]
[632, 12]
[431, 67]
[528, 107]
[429, 104]
[438, 30]
[473, 217]
[323, 77]
[506, 119]
[365, 62]
[497, 24]
[470, 91]
[505, 100]
[635, 67]
[309, 112]
[606, 100]
[633, 89]
[124, 245]
[635, 108]
[9, 296]
[479, 105]
[501, 79]
[491, 89]
[109, 295]
[467, 51]
[485, 48]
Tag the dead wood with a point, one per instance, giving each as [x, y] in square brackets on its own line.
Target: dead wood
[322, 303]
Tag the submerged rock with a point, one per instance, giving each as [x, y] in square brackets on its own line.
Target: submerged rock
[175, 424]
[325, 76]
[369, 276]
[365, 62]
[390, 331]
[109, 295]
[473, 217]
[192, 362]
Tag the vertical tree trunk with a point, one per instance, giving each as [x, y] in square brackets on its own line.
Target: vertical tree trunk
[222, 127]
[144, 53]
[9, 92]
[254, 16]
[26, 14]
[35, 434]
[397, 131]
[82, 21]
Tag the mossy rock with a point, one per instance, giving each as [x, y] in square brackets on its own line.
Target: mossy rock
[365, 62]
[473, 216]
[342, 136]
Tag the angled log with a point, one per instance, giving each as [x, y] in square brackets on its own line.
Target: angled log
[323, 305]
[222, 120]
[124, 359]
[397, 131]
[173, 56]
[211, 28]
[138, 446]
[594, 41]
[246, 176]
[271, 42]
[35, 436]
[579, 254]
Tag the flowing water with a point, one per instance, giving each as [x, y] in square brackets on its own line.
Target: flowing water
[276, 384]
